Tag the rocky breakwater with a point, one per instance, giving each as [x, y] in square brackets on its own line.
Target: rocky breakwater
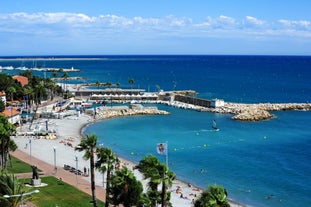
[117, 112]
[258, 112]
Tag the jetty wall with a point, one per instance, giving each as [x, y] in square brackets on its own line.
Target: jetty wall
[193, 100]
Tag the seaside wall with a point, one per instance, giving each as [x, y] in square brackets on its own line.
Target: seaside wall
[193, 100]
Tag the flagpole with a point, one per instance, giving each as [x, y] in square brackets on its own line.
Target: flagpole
[166, 154]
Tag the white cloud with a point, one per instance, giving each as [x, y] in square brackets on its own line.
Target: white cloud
[254, 20]
[113, 20]
[47, 18]
[72, 25]
[300, 24]
[226, 20]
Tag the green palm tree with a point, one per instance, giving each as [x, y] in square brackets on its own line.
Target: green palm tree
[11, 90]
[65, 77]
[147, 166]
[131, 82]
[6, 143]
[28, 93]
[54, 74]
[88, 145]
[51, 86]
[108, 84]
[214, 196]
[98, 84]
[10, 185]
[125, 188]
[106, 162]
[157, 173]
[40, 92]
[167, 181]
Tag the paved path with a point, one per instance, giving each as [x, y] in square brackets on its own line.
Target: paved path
[66, 176]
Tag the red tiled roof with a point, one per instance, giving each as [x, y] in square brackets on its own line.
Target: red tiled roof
[22, 79]
[8, 113]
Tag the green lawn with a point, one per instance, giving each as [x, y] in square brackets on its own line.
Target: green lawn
[58, 193]
[18, 166]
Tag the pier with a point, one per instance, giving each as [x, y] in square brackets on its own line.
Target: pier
[181, 99]
[65, 70]
[70, 78]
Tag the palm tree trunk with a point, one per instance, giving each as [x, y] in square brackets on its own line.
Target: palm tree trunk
[107, 188]
[154, 188]
[126, 196]
[163, 196]
[93, 179]
[2, 153]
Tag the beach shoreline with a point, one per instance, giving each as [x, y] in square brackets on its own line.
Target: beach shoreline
[60, 151]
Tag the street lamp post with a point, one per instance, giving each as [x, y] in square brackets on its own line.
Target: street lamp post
[21, 196]
[30, 150]
[76, 159]
[54, 149]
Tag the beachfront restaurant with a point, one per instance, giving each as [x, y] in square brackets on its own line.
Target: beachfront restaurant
[125, 96]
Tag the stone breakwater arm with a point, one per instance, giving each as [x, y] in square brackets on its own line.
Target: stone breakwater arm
[258, 112]
[111, 113]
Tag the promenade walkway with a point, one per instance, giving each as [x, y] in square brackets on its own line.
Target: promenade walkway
[66, 176]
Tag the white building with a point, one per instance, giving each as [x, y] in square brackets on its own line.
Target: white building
[2, 97]
[217, 103]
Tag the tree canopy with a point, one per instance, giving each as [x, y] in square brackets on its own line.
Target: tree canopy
[6, 143]
[214, 196]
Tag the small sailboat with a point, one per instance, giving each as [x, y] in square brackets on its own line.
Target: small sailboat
[214, 126]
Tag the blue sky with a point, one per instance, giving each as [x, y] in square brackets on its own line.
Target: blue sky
[108, 27]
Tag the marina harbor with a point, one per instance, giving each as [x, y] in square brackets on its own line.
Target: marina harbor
[182, 99]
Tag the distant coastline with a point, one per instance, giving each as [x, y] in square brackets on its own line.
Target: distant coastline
[103, 57]
[49, 58]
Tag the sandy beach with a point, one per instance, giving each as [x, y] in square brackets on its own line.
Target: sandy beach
[61, 151]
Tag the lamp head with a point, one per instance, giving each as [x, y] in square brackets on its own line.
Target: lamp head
[36, 191]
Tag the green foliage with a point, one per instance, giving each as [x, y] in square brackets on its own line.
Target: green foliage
[125, 188]
[131, 82]
[7, 81]
[157, 173]
[2, 105]
[144, 201]
[214, 196]
[6, 143]
[10, 185]
[98, 84]
[106, 161]
[88, 145]
[11, 90]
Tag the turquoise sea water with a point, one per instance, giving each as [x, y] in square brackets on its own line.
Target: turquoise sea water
[251, 160]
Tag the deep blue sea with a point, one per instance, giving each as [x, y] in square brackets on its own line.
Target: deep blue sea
[264, 163]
